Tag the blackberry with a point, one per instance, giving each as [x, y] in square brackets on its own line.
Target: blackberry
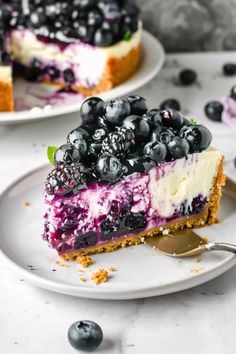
[119, 142]
[65, 179]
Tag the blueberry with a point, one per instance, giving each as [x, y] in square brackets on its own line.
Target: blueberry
[53, 72]
[229, 69]
[139, 126]
[85, 335]
[100, 134]
[213, 110]
[85, 4]
[233, 92]
[85, 240]
[37, 19]
[187, 77]
[162, 134]
[91, 109]
[110, 10]
[156, 151]
[103, 37]
[172, 118]
[109, 168]
[130, 9]
[66, 154]
[198, 137]
[170, 103]
[95, 18]
[76, 135]
[108, 228]
[75, 138]
[85, 32]
[117, 111]
[178, 147]
[69, 76]
[94, 150]
[153, 117]
[138, 105]
[34, 72]
[136, 221]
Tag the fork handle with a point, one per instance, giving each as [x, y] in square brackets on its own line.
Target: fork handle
[221, 246]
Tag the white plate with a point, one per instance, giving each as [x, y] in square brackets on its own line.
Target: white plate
[141, 271]
[37, 101]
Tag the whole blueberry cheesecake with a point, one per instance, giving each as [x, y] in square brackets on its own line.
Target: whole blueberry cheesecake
[89, 46]
[127, 173]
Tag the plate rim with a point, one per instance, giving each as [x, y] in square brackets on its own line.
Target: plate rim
[27, 116]
[108, 293]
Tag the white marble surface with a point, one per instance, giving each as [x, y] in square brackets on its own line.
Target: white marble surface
[200, 320]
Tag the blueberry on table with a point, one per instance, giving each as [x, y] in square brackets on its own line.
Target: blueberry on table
[109, 168]
[156, 151]
[66, 154]
[233, 92]
[117, 111]
[229, 69]
[139, 126]
[213, 110]
[85, 335]
[91, 109]
[187, 77]
[171, 103]
[137, 104]
[198, 137]
[178, 147]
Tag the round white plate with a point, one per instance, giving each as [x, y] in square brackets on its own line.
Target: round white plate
[140, 271]
[38, 101]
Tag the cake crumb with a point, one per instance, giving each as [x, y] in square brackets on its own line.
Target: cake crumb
[61, 264]
[165, 232]
[85, 261]
[26, 204]
[205, 239]
[196, 260]
[142, 239]
[100, 276]
[112, 269]
[196, 270]
[82, 279]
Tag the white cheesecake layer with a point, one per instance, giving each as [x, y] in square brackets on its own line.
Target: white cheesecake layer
[183, 182]
[6, 74]
[88, 62]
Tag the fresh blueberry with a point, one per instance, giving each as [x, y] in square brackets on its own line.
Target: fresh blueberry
[37, 19]
[94, 150]
[213, 110]
[109, 168]
[110, 10]
[172, 118]
[78, 134]
[117, 111]
[69, 76]
[138, 105]
[156, 151]
[170, 103]
[91, 109]
[85, 32]
[229, 69]
[178, 147]
[103, 37]
[153, 117]
[66, 154]
[130, 9]
[85, 240]
[139, 126]
[85, 4]
[100, 134]
[76, 138]
[162, 134]
[136, 221]
[53, 72]
[187, 77]
[198, 137]
[186, 122]
[34, 72]
[233, 92]
[129, 24]
[108, 228]
[137, 164]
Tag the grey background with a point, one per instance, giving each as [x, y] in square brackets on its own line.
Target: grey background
[191, 25]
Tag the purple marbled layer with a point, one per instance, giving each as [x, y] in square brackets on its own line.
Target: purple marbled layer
[75, 222]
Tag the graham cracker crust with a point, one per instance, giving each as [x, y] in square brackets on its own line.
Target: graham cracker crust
[207, 217]
[117, 71]
[6, 97]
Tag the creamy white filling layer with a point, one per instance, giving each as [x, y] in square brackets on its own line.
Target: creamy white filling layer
[6, 74]
[87, 61]
[184, 181]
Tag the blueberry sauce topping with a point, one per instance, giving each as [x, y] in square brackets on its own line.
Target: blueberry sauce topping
[101, 23]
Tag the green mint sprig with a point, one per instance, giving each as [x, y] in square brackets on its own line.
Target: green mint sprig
[193, 121]
[51, 152]
[127, 36]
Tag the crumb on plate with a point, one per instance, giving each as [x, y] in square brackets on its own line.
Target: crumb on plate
[100, 276]
[26, 204]
[196, 270]
[196, 260]
[82, 279]
[85, 261]
[111, 269]
[61, 264]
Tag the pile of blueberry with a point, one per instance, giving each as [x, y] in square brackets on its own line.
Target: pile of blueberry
[97, 22]
[121, 138]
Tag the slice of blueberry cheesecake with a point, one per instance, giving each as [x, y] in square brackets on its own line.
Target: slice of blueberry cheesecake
[127, 173]
[89, 45]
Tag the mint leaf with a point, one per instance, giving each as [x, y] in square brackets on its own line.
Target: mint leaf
[51, 152]
[193, 121]
[127, 36]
